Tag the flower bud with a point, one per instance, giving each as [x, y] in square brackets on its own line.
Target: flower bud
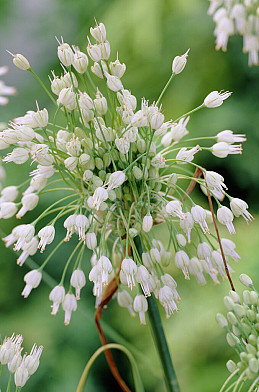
[117, 69]
[179, 63]
[94, 51]
[41, 118]
[147, 223]
[105, 50]
[91, 241]
[71, 163]
[113, 82]
[7, 210]
[21, 376]
[98, 32]
[246, 280]
[65, 54]
[80, 62]
[21, 62]
[221, 320]
[231, 366]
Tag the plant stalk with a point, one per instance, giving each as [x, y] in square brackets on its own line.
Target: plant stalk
[159, 337]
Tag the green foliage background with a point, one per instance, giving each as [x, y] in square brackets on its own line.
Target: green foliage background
[147, 34]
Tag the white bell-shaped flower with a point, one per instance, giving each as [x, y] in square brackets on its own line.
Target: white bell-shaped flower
[32, 280]
[57, 296]
[46, 236]
[78, 281]
[129, 269]
[69, 305]
[140, 305]
[225, 217]
[166, 298]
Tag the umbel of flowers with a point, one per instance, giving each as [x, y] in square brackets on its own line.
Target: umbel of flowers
[237, 17]
[123, 168]
[21, 367]
[242, 326]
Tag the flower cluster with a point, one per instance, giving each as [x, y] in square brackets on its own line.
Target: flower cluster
[242, 329]
[124, 171]
[22, 366]
[237, 17]
[5, 90]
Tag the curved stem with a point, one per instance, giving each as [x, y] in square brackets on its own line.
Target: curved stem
[159, 337]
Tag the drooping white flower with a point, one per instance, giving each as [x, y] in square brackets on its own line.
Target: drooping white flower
[32, 280]
[199, 216]
[225, 217]
[140, 305]
[105, 267]
[46, 236]
[99, 196]
[182, 262]
[28, 249]
[147, 223]
[7, 210]
[215, 180]
[186, 223]
[125, 301]
[185, 155]
[174, 208]
[29, 202]
[69, 305]
[239, 208]
[228, 248]
[166, 298]
[129, 269]
[116, 179]
[142, 277]
[91, 241]
[81, 225]
[57, 296]
[78, 281]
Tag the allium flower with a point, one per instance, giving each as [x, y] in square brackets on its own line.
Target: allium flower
[237, 17]
[117, 162]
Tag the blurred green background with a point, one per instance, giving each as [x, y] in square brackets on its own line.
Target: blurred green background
[147, 34]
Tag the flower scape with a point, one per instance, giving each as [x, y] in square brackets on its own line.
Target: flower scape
[237, 17]
[242, 329]
[122, 168]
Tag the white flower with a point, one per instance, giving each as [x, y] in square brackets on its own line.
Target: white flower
[7, 210]
[100, 104]
[46, 236]
[174, 208]
[245, 280]
[157, 120]
[105, 267]
[147, 223]
[225, 217]
[179, 63]
[158, 161]
[142, 277]
[23, 234]
[71, 163]
[32, 280]
[229, 137]
[178, 130]
[222, 149]
[199, 216]
[117, 69]
[98, 32]
[57, 296]
[32, 360]
[169, 281]
[96, 277]
[40, 118]
[186, 224]
[116, 179]
[239, 207]
[18, 156]
[215, 180]
[113, 82]
[43, 171]
[91, 241]
[105, 50]
[129, 269]
[78, 281]
[99, 196]
[185, 155]
[166, 298]
[65, 54]
[122, 144]
[195, 268]
[85, 102]
[81, 225]
[29, 202]
[228, 248]
[140, 305]
[215, 99]
[28, 249]
[181, 240]
[125, 301]
[182, 262]
[94, 51]
[80, 61]
[21, 374]
[69, 305]
[67, 98]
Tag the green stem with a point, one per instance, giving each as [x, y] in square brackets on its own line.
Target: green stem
[43, 85]
[190, 112]
[164, 89]
[159, 337]
[8, 389]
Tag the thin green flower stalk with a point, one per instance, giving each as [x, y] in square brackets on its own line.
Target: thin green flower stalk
[121, 168]
[242, 327]
[21, 367]
[237, 17]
